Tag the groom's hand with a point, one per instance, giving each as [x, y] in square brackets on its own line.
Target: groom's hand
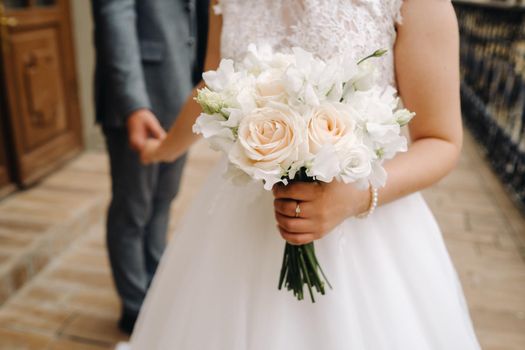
[142, 124]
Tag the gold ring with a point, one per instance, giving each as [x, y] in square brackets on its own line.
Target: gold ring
[298, 210]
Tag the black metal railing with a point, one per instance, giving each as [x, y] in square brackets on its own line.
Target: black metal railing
[493, 85]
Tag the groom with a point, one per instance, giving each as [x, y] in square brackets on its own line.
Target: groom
[149, 56]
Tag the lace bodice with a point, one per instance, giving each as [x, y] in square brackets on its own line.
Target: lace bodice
[323, 27]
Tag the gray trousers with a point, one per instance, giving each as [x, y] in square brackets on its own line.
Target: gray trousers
[138, 216]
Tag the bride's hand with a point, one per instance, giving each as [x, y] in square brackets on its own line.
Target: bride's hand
[150, 151]
[323, 206]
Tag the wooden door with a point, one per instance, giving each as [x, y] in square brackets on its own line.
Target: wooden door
[40, 84]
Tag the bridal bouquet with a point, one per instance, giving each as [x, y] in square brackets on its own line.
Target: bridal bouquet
[295, 117]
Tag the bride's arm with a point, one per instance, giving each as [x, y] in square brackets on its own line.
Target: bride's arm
[427, 70]
[180, 136]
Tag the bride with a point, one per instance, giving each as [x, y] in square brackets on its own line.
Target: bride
[394, 285]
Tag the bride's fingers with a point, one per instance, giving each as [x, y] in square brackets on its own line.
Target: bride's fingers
[294, 225]
[297, 238]
[288, 207]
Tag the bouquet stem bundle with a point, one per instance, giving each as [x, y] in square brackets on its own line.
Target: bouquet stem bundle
[300, 265]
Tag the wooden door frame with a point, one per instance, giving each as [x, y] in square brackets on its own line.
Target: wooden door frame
[5, 149]
[6, 179]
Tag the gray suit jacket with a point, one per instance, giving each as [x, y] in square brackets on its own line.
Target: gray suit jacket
[149, 55]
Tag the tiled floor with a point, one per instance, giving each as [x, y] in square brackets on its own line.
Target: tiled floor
[72, 305]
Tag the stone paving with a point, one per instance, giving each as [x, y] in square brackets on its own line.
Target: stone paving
[71, 304]
[38, 224]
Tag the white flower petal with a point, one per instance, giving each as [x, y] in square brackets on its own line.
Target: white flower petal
[378, 176]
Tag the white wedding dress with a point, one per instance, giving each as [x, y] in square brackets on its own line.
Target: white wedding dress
[394, 287]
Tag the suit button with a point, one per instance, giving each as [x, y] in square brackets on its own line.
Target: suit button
[189, 7]
[191, 41]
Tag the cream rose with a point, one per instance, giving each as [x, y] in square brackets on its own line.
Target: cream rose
[328, 125]
[270, 140]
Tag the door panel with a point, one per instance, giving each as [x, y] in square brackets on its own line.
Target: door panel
[41, 86]
[41, 92]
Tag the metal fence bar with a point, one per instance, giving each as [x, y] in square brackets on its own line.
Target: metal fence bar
[492, 53]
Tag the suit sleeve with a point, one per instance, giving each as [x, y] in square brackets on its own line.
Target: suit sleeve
[118, 50]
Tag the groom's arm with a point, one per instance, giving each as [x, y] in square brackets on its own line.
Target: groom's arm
[117, 44]
[118, 50]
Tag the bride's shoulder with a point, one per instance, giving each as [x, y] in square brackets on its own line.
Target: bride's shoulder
[424, 10]
[424, 7]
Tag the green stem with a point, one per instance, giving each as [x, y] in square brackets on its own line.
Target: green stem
[306, 274]
[319, 266]
[284, 267]
[314, 265]
[295, 274]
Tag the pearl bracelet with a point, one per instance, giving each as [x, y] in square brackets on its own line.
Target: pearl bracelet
[372, 205]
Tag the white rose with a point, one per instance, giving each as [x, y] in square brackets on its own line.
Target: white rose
[356, 163]
[270, 140]
[328, 125]
[270, 87]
